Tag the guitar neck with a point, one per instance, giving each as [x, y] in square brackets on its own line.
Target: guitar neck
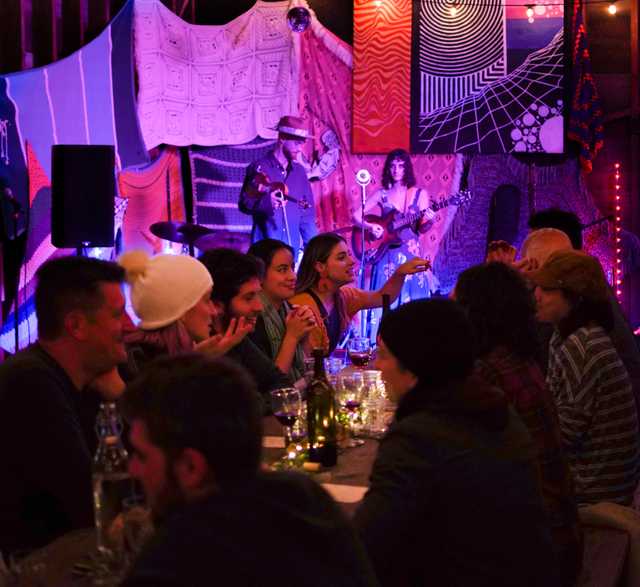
[409, 219]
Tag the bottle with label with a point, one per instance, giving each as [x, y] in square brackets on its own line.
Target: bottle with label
[111, 481]
[321, 415]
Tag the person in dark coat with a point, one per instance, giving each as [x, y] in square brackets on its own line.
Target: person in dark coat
[196, 432]
[454, 498]
[49, 395]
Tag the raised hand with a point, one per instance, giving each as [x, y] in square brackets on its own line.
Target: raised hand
[415, 265]
[501, 252]
[109, 385]
[220, 344]
[375, 229]
[277, 199]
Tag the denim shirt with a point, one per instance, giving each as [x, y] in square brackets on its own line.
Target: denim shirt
[269, 223]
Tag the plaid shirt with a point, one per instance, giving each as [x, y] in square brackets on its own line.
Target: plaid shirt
[524, 385]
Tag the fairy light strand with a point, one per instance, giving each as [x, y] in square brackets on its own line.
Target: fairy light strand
[617, 223]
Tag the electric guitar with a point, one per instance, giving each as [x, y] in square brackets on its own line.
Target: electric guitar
[393, 222]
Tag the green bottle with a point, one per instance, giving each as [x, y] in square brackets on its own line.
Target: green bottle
[321, 415]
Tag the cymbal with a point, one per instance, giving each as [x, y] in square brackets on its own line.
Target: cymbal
[224, 239]
[179, 232]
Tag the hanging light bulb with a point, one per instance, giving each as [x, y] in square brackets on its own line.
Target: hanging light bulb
[298, 19]
[454, 9]
[612, 8]
[529, 12]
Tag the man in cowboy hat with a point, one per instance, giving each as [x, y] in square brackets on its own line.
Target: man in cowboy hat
[262, 193]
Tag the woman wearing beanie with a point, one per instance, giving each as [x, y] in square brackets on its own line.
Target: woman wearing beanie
[281, 328]
[587, 378]
[171, 295]
[453, 498]
[501, 310]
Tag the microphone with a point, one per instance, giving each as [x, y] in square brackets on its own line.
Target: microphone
[7, 195]
[363, 177]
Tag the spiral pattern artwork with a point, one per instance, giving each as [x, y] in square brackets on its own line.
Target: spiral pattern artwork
[482, 77]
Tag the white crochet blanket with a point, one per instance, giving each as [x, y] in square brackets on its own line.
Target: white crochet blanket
[214, 85]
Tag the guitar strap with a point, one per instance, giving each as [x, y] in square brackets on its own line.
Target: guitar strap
[416, 199]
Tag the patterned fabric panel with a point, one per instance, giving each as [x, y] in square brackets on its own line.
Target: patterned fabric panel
[217, 175]
[213, 85]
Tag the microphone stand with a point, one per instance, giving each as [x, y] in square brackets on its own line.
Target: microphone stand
[363, 178]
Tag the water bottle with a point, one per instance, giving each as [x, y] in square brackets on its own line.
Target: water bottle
[111, 481]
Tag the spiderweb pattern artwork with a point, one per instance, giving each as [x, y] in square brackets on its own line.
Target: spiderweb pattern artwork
[479, 86]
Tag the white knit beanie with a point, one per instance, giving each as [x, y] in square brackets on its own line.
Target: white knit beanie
[165, 287]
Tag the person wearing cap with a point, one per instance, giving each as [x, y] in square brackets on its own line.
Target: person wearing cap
[263, 201]
[453, 496]
[588, 379]
[171, 296]
[543, 240]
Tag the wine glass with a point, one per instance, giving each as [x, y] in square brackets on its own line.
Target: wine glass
[349, 393]
[359, 351]
[286, 405]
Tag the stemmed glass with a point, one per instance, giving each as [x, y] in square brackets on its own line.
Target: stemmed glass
[349, 393]
[286, 405]
[359, 350]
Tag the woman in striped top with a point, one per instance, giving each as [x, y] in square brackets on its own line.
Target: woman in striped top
[589, 382]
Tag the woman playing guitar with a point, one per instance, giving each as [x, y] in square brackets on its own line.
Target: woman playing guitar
[398, 198]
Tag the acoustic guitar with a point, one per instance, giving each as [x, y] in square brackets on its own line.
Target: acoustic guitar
[393, 222]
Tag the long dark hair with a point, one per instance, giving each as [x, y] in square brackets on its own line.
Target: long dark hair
[317, 250]
[409, 178]
[584, 311]
[266, 249]
[500, 307]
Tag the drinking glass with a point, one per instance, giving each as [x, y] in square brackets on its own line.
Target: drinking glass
[349, 393]
[359, 351]
[286, 404]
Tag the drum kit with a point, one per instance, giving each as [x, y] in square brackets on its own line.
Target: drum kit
[200, 237]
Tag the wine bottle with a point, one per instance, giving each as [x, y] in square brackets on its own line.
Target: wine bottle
[321, 415]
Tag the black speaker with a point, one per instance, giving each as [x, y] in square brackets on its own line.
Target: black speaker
[82, 195]
[504, 214]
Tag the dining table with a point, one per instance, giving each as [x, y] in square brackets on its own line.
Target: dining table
[61, 563]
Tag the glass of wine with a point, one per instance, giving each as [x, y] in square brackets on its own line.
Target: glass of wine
[286, 405]
[359, 351]
[349, 393]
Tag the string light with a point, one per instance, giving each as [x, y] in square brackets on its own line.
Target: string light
[612, 8]
[617, 222]
[529, 11]
[453, 10]
[457, 3]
